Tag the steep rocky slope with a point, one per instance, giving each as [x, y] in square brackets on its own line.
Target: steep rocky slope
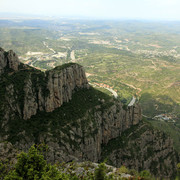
[76, 121]
[142, 147]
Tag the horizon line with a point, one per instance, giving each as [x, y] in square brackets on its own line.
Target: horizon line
[8, 15]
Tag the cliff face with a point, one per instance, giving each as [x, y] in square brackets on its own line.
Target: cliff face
[77, 122]
[62, 84]
[145, 148]
[8, 60]
[58, 86]
[83, 141]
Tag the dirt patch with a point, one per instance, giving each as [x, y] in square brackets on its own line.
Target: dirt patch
[155, 45]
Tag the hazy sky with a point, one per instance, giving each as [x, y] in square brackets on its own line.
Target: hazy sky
[131, 9]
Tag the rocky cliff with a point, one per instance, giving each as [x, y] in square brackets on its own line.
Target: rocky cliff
[76, 121]
[145, 148]
[83, 140]
[59, 85]
[8, 60]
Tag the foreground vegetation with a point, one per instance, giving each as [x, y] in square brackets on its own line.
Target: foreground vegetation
[32, 165]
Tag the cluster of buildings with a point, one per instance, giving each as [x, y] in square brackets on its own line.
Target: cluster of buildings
[164, 117]
[103, 85]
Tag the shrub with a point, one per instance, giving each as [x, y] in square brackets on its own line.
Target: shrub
[178, 172]
[32, 166]
[123, 169]
[29, 166]
[145, 174]
[100, 173]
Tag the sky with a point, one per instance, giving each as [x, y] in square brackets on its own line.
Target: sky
[100, 9]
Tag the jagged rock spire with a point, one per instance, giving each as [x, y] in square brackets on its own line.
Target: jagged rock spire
[8, 60]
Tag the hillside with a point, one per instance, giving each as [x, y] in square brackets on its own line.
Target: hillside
[59, 108]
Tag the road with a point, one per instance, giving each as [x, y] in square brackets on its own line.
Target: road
[73, 56]
[45, 44]
[113, 92]
[132, 101]
[109, 89]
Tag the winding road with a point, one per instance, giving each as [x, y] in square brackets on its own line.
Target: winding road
[113, 92]
[109, 89]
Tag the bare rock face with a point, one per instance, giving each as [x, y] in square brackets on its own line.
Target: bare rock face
[58, 87]
[109, 124]
[12, 60]
[62, 84]
[151, 150]
[8, 152]
[8, 59]
[84, 141]
[11, 99]
[30, 103]
[3, 62]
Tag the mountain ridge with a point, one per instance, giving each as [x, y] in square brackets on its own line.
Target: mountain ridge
[59, 108]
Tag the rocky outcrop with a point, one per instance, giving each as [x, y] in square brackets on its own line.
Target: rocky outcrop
[59, 88]
[47, 92]
[8, 152]
[61, 85]
[83, 139]
[8, 60]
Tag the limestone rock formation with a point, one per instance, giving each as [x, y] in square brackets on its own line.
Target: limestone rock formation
[62, 84]
[145, 148]
[8, 152]
[59, 87]
[8, 60]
